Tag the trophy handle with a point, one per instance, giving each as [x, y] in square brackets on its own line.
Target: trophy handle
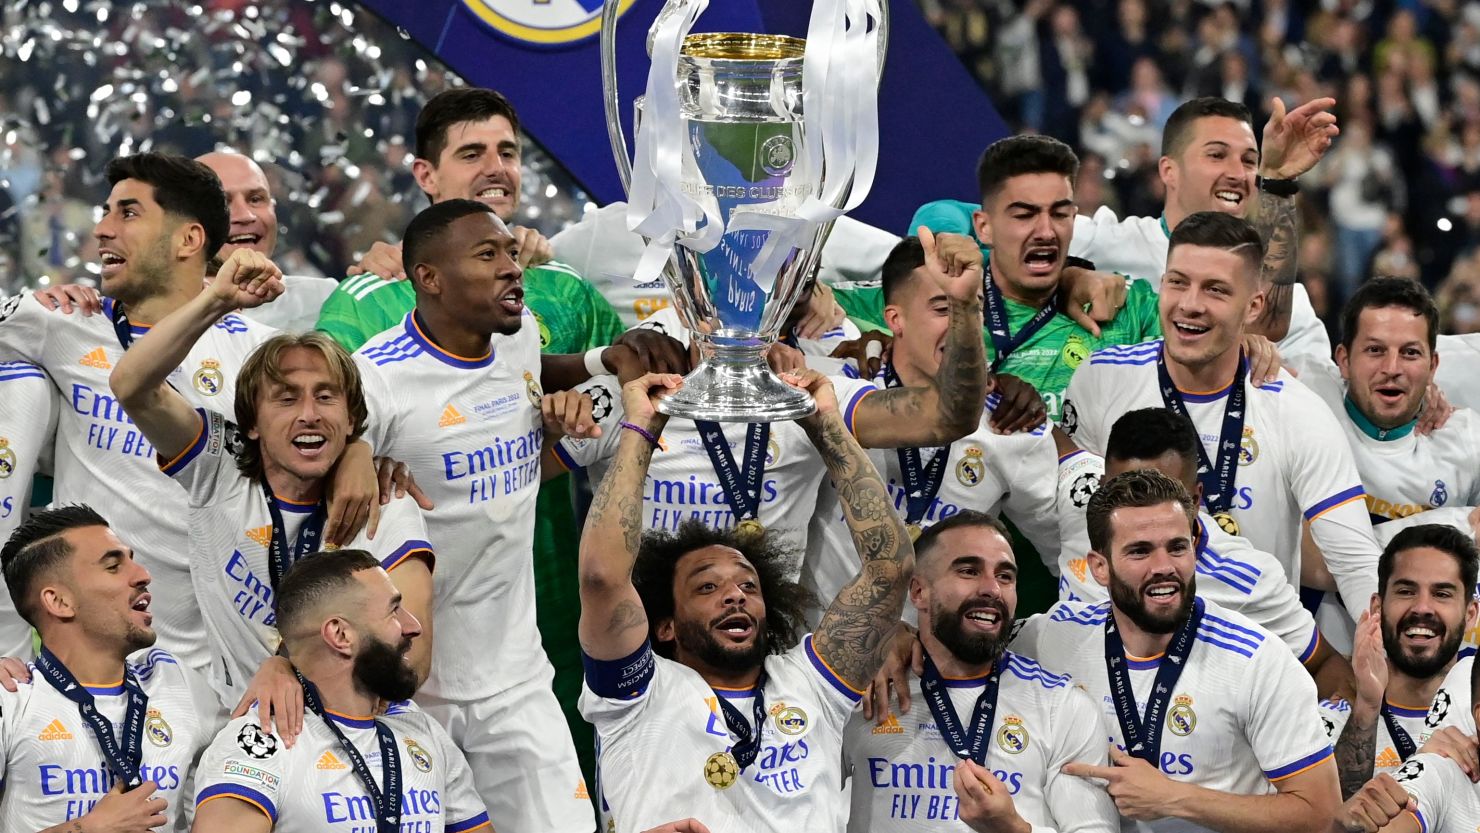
[611, 99]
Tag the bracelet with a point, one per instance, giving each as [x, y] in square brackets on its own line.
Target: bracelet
[640, 431]
[1279, 187]
[594, 365]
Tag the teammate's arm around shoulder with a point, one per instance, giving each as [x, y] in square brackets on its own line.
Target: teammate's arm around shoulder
[853, 635]
[139, 380]
[613, 624]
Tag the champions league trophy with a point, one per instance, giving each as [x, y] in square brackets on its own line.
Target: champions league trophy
[748, 146]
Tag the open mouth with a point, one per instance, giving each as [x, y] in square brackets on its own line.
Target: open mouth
[1421, 635]
[984, 618]
[1228, 198]
[1389, 395]
[512, 301]
[492, 193]
[243, 239]
[738, 627]
[1164, 592]
[141, 605]
[1189, 330]
[309, 444]
[112, 263]
[1041, 260]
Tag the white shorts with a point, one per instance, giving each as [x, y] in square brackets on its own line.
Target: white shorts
[523, 761]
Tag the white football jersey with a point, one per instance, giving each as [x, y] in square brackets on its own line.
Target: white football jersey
[902, 769]
[54, 769]
[1459, 368]
[230, 545]
[297, 309]
[1336, 713]
[659, 726]
[1294, 462]
[28, 426]
[107, 463]
[1243, 713]
[471, 433]
[313, 786]
[1453, 703]
[1447, 801]
[1137, 246]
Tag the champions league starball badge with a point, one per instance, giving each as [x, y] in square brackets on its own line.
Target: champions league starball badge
[721, 770]
[1226, 522]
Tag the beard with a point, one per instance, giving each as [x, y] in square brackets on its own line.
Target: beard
[971, 648]
[698, 641]
[1421, 667]
[149, 274]
[1132, 602]
[381, 669]
[138, 637]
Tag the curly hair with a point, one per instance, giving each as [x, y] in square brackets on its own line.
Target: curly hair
[657, 562]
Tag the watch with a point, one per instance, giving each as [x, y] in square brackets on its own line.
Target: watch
[1279, 187]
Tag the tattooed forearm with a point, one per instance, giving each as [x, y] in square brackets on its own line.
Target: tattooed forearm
[1356, 754]
[610, 607]
[1278, 227]
[944, 409]
[853, 634]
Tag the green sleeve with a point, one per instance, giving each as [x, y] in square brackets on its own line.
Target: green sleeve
[348, 320]
[1142, 302]
[605, 324]
[864, 303]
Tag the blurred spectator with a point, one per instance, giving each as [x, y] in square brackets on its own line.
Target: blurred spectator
[1363, 184]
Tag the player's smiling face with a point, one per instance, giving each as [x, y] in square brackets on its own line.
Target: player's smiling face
[719, 614]
[1389, 365]
[1149, 569]
[135, 239]
[1425, 612]
[1215, 171]
[107, 591]
[919, 318]
[253, 212]
[481, 284]
[480, 161]
[1207, 298]
[1028, 223]
[966, 592]
[303, 418]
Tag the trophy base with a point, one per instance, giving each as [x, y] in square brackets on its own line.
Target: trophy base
[718, 391]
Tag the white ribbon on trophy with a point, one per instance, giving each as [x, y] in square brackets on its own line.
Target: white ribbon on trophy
[840, 75]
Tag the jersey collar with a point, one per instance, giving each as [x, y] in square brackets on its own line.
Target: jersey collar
[420, 336]
[1382, 435]
[1165, 229]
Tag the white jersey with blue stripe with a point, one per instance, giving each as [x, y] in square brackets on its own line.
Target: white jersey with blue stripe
[1447, 801]
[1242, 715]
[104, 461]
[1294, 463]
[1453, 701]
[658, 723]
[470, 431]
[1336, 713]
[28, 425]
[313, 788]
[901, 770]
[54, 769]
[230, 539]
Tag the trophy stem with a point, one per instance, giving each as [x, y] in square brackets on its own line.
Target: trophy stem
[733, 384]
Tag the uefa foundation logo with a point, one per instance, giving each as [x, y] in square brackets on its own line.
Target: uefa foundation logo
[543, 22]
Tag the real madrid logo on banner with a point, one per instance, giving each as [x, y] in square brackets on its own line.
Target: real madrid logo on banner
[549, 22]
[532, 385]
[419, 756]
[971, 469]
[156, 729]
[1248, 448]
[1181, 720]
[7, 459]
[1013, 736]
[208, 380]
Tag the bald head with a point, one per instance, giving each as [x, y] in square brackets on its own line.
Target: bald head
[253, 213]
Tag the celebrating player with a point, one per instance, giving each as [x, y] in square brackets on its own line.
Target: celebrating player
[1213, 721]
[355, 767]
[1278, 454]
[257, 488]
[694, 670]
[94, 741]
[1016, 721]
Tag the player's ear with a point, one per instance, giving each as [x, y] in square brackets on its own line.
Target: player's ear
[57, 601]
[338, 636]
[981, 223]
[190, 240]
[1472, 608]
[424, 278]
[665, 631]
[425, 174]
[894, 319]
[1342, 362]
[918, 596]
[1375, 605]
[1099, 567]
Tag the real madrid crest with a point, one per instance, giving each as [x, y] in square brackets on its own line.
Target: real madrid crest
[790, 720]
[532, 385]
[1075, 351]
[7, 458]
[208, 380]
[1013, 736]
[1181, 720]
[971, 469]
[1248, 448]
[721, 770]
[419, 757]
[773, 451]
[544, 331]
[156, 729]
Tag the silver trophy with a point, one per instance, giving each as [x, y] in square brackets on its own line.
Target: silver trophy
[738, 202]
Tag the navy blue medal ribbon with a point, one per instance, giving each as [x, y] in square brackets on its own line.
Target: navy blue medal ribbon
[1400, 736]
[742, 486]
[747, 741]
[123, 760]
[1217, 477]
[966, 745]
[921, 480]
[1003, 341]
[387, 796]
[308, 541]
[121, 326]
[1143, 736]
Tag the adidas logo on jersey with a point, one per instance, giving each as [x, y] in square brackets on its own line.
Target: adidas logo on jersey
[262, 535]
[581, 792]
[328, 761]
[96, 358]
[450, 417]
[1388, 759]
[55, 731]
[890, 726]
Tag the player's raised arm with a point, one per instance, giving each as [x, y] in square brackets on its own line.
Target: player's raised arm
[613, 623]
[140, 380]
[950, 407]
[854, 633]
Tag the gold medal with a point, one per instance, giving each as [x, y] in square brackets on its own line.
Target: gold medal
[330, 547]
[1226, 522]
[915, 531]
[751, 527]
[721, 770]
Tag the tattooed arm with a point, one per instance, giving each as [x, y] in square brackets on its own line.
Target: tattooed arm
[940, 410]
[1276, 220]
[613, 623]
[1356, 752]
[1356, 749]
[854, 633]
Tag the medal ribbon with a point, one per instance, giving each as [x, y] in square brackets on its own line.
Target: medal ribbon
[1143, 736]
[122, 761]
[1400, 736]
[938, 698]
[747, 743]
[1003, 341]
[387, 801]
[307, 542]
[1217, 479]
[921, 481]
[742, 487]
[121, 327]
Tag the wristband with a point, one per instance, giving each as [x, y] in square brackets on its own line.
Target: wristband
[1279, 187]
[1081, 262]
[640, 431]
[594, 365]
